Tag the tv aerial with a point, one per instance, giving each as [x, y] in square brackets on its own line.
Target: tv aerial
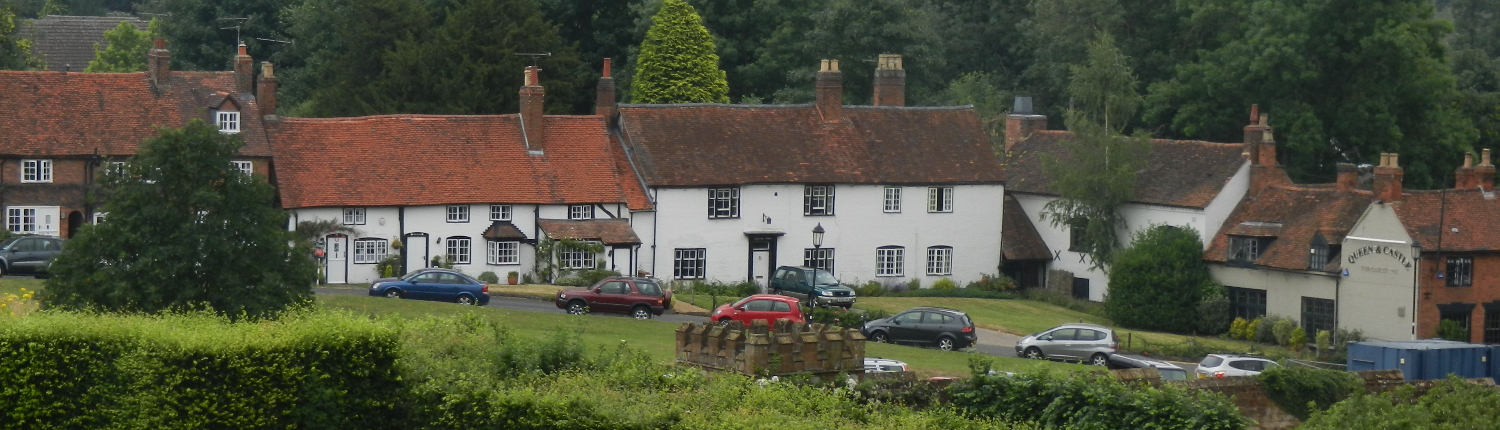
[238, 22]
[533, 56]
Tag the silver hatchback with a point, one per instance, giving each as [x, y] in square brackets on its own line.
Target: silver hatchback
[1071, 342]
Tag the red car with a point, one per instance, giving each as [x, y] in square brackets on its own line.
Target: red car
[638, 297]
[768, 307]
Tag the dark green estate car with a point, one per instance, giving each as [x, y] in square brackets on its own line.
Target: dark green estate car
[30, 255]
[815, 286]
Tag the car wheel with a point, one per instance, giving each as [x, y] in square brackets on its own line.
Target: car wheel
[4, 270]
[1034, 353]
[1099, 360]
[724, 322]
[641, 313]
[466, 300]
[945, 343]
[393, 293]
[878, 337]
[578, 307]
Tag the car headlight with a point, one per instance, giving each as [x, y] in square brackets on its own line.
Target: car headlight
[562, 296]
[826, 293]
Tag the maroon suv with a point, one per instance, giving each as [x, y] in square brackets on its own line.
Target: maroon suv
[639, 297]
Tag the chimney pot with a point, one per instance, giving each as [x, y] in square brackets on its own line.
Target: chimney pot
[159, 43]
[1022, 123]
[244, 72]
[606, 67]
[242, 49]
[1484, 158]
[1388, 176]
[830, 91]
[1468, 160]
[1022, 106]
[604, 96]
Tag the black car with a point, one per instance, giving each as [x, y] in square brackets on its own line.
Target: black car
[1168, 371]
[947, 329]
[816, 286]
[29, 255]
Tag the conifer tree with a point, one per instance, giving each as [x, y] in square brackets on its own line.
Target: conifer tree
[126, 52]
[677, 63]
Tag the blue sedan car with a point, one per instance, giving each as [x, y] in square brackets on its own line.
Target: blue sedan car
[441, 285]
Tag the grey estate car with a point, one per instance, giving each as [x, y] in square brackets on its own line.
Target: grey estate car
[1071, 342]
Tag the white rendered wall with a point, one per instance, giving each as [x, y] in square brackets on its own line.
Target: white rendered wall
[858, 227]
[1377, 296]
[1284, 289]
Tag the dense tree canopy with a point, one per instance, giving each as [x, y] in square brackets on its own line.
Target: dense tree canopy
[185, 229]
[126, 51]
[15, 51]
[1157, 282]
[677, 62]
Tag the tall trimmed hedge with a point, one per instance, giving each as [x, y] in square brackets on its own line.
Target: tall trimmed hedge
[1093, 402]
[1158, 283]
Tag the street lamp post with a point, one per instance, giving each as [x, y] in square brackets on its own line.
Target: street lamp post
[818, 236]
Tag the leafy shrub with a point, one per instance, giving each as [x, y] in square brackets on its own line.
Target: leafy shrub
[585, 278]
[869, 289]
[1214, 313]
[1450, 404]
[1324, 340]
[944, 284]
[1282, 331]
[1239, 329]
[1302, 390]
[1341, 339]
[998, 283]
[389, 267]
[1265, 329]
[914, 284]
[1298, 339]
[1157, 283]
[875, 314]
[1251, 330]
[489, 278]
[836, 316]
[526, 279]
[1054, 400]
[1451, 330]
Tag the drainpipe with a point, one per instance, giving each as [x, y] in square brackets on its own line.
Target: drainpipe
[401, 219]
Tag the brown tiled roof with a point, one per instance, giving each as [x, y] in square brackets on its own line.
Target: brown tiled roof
[703, 144]
[614, 231]
[1292, 215]
[394, 160]
[630, 178]
[69, 40]
[1475, 216]
[1019, 239]
[503, 230]
[1184, 173]
[61, 114]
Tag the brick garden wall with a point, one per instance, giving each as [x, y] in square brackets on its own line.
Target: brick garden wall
[788, 348]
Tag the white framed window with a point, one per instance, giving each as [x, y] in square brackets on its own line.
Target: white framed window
[940, 199]
[115, 168]
[458, 250]
[939, 260]
[581, 212]
[36, 171]
[41, 220]
[370, 251]
[245, 167]
[892, 200]
[99, 217]
[503, 252]
[500, 212]
[890, 261]
[354, 216]
[688, 263]
[458, 213]
[577, 258]
[818, 258]
[336, 247]
[723, 202]
[229, 121]
[817, 200]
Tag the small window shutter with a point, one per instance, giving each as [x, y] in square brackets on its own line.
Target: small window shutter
[932, 199]
[829, 209]
[807, 200]
[710, 202]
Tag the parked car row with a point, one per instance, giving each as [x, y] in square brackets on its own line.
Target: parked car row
[1089, 343]
[943, 328]
[817, 287]
[641, 298]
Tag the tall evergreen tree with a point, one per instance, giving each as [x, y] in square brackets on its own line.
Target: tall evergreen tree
[127, 49]
[198, 37]
[185, 229]
[677, 63]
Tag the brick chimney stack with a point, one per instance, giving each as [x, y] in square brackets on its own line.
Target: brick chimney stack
[1348, 177]
[159, 65]
[1464, 177]
[1254, 135]
[244, 72]
[1388, 178]
[1022, 122]
[1484, 173]
[265, 95]
[890, 81]
[604, 100]
[830, 91]
[532, 95]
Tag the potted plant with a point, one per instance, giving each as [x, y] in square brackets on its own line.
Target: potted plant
[512, 277]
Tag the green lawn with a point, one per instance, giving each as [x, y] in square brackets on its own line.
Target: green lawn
[14, 285]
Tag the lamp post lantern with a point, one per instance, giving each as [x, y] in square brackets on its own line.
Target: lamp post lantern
[818, 236]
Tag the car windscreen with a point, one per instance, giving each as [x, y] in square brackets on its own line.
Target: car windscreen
[822, 277]
[1172, 374]
[6, 243]
[741, 302]
[1211, 361]
[648, 288]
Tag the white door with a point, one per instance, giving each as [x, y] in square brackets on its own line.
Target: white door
[338, 264]
[416, 253]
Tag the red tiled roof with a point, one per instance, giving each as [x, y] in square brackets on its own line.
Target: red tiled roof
[1020, 240]
[1184, 173]
[503, 230]
[394, 160]
[701, 144]
[1475, 216]
[630, 180]
[1292, 215]
[615, 231]
[61, 114]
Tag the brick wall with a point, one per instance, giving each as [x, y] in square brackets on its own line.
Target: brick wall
[1249, 395]
[1434, 292]
[759, 350]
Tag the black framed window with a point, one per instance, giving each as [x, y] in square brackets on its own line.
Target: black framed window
[458, 250]
[939, 199]
[818, 258]
[688, 263]
[1318, 314]
[1318, 254]
[817, 200]
[723, 202]
[890, 261]
[1244, 249]
[1492, 323]
[1460, 271]
[1247, 303]
[1077, 237]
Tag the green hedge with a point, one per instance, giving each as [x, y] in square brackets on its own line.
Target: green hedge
[1090, 401]
[1300, 391]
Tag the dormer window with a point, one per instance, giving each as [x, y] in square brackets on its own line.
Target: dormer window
[1320, 253]
[1244, 249]
[228, 121]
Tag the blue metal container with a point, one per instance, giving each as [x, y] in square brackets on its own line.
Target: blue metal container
[1425, 359]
